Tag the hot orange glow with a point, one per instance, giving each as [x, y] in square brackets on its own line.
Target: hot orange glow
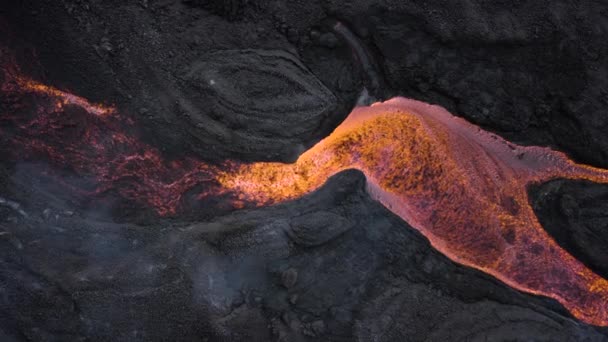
[63, 98]
[44, 123]
[461, 187]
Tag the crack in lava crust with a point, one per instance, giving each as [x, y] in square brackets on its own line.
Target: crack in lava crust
[38, 122]
[460, 186]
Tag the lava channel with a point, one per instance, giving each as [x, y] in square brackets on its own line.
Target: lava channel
[465, 189]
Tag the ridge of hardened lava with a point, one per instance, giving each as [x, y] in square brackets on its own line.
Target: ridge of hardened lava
[461, 187]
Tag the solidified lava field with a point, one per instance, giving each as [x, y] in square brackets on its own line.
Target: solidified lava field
[303, 171]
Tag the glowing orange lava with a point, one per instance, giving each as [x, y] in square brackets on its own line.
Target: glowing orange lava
[44, 123]
[461, 187]
[63, 98]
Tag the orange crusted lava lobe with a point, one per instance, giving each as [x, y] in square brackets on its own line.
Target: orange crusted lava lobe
[460, 186]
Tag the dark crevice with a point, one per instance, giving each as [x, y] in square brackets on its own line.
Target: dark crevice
[575, 214]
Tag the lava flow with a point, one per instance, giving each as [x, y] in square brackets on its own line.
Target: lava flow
[461, 187]
[38, 122]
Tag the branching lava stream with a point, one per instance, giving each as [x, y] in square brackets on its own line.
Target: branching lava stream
[461, 187]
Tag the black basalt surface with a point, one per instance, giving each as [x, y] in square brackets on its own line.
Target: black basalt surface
[575, 214]
[264, 80]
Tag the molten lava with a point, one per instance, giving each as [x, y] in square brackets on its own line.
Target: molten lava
[462, 187]
[39, 122]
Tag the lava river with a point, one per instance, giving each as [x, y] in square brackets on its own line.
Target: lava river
[460, 186]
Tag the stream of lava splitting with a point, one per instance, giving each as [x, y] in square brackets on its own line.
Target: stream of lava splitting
[461, 187]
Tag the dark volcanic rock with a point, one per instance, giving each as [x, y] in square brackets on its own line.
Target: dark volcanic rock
[317, 228]
[289, 278]
[271, 100]
[229, 9]
[243, 79]
[256, 99]
[576, 215]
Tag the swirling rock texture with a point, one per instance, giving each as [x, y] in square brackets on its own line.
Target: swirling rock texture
[265, 81]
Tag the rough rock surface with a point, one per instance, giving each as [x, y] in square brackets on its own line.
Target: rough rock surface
[263, 80]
